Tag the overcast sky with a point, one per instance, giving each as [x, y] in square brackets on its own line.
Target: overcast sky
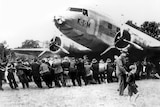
[32, 19]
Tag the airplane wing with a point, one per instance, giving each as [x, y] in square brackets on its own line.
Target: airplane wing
[38, 52]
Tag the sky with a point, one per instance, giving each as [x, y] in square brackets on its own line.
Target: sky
[33, 19]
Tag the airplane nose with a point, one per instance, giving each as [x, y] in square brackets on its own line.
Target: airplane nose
[59, 20]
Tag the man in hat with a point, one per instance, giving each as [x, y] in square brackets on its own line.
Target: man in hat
[65, 66]
[80, 71]
[21, 74]
[36, 73]
[109, 70]
[73, 72]
[102, 69]
[58, 70]
[95, 69]
[45, 73]
[121, 72]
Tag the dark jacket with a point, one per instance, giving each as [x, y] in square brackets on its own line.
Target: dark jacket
[65, 65]
[95, 68]
[35, 69]
[20, 69]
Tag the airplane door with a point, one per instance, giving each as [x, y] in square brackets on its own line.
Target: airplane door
[91, 28]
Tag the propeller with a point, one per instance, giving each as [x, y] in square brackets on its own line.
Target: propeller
[56, 43]
[122, 38]
[114, 47]
[120, 35]
[119, 39]
[63, 49]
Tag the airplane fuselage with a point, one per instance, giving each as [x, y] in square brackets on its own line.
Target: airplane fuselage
[88, 28]
[98, 32]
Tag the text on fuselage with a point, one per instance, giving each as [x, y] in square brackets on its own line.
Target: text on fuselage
[83, 23]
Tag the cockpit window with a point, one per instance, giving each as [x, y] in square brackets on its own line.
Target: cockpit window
[76, 9]
[84, 11]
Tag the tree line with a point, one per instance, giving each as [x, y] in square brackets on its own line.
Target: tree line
[151, 28]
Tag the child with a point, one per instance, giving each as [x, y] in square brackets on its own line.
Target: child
[132, 87]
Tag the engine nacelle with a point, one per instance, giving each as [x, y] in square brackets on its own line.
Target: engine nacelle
[119, 39]
[55, 43]
[62, 44]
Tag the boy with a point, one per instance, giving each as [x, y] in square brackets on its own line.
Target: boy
[132, 87]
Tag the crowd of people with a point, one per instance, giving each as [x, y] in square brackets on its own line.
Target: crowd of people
[71, 71]
[67, 71]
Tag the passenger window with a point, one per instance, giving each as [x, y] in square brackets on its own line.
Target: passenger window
[75, 9]
[109, 26]
[106, 28]
[83, 11]
[118, 29]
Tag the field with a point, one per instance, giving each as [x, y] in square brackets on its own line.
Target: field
[103, 95]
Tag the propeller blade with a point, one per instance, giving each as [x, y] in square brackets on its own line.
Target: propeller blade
[62, 49]
[122, 25]
[42, 53]
[121, 30]
[135, 45]
[108, 49]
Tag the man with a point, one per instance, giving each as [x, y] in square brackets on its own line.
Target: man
[121, 72]
[35, 72]
[21, 74]
[65, 66]
[80, 71]
[95, 69]
[109, 70]
[1, 76]
[148, 70]
[58, 70]
[89, 73]
[45, 73]
[73, 71]
[102, 68]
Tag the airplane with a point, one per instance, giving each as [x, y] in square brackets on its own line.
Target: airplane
[81, 44]
[100, 33]
[89, 31]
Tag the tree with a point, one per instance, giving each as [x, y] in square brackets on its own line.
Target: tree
[129, 22]
[30, 44]
[45, 44]
[4, 52]
[151, 28]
